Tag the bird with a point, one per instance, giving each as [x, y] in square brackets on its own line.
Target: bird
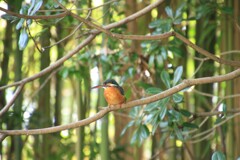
[113, 93]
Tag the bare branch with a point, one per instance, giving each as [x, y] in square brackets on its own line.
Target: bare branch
[147, 100]
[43, 72]
[157, 37]
[6, 108]
[2, 137]
[211, 130]
[69, 55]
[84, 43]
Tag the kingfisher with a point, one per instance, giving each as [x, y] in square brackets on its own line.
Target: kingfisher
[113, 93]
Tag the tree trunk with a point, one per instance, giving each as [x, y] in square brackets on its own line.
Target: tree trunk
[18, 104]
[15, 148]
[104, 146]
[236, 82]
[7, 44]
[226, 45]
[43, 142]
[203, 148]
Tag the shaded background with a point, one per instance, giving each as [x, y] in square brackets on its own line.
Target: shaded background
[156, 131]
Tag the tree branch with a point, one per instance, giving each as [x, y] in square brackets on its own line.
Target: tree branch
[71, 53]
[143, 101]
[85, 42]
[9, 104]
[60, 15]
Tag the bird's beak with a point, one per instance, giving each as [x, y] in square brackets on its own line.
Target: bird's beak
[99, 86]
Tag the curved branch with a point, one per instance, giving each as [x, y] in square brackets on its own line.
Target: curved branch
[73, 52]
[52, 66]
[154, 37]
[157, 37]
[150, 99]
[206, 53]
[85, 42]
[9, 104]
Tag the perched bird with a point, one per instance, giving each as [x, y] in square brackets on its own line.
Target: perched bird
[113, 93]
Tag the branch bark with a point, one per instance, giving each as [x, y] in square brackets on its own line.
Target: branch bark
[143, 101]
[73, 52]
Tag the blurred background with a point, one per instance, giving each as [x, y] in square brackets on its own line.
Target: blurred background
[166, 129]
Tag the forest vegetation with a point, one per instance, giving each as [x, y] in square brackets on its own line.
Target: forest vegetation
[177, 61]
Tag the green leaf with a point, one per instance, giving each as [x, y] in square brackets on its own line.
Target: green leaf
[165, 78]
[151, 60]
[145, 44]
[140, 135]
[176, 51]
[179, 10]
[159, 60]
[153, 90]
[143, 85]
[64, 72]
[130, 124]
[37, 6]
[135, 137]
[31, 7]
[169, 11]
[190, 125]
[23, 39]
[154, 46]
[217, 155]
[164, 53]
[144, 132]
[218, 120]
[175, 116]
[184, 112]
[178, 132]
[227, 10]
[128, 93]
[177, 75]
[163, 124]
[151, 106]
[177, 20]
[154, 24]
[20, 24]
[163, 112]
[134, 112]
[163, 102]
[150, 117]
[154, 128]
[29, 21]
[177, 98]
[24, 9]
[9, 17]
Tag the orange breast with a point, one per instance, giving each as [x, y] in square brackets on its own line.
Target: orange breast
[113, 96]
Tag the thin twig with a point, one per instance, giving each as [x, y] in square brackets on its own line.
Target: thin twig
[203, 138]
[157, 37]
[34, 41]
[229, 52]
[10, 103]
[84, 43]
[139, 102]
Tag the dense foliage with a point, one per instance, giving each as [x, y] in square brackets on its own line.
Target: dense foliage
[197, 122]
